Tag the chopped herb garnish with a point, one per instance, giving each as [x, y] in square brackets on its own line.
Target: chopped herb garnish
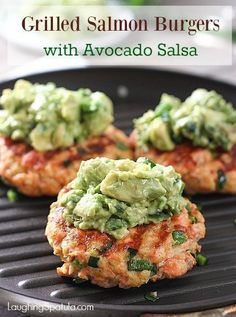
[12, 195]
[105, 205]
[78, 280]
[78, 263]
[140, 265]
[191, 127]
[89, 107]
[177, 139]
[163, 108]
[221, 180]
[132, 252]
[67, 163]
[122, 146]
[93, 261]
[154, 269]
[115, 223]
[193, 219]
[177, 179]
[147, 161]
[119, 208]
[106, 247]
[159, 216]
[151, 296]
[165, 117]
[179, 237]
[199, 206]
[201, 259]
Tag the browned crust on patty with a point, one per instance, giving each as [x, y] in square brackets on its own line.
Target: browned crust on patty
[198, 166]
[153, 242]
[45, 173]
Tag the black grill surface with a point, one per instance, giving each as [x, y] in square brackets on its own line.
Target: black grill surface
[27, 265]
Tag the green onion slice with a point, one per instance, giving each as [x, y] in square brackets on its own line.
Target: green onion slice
[151, 296]
[201, 259]
[93, 261]
[221, 180]
[12, 195]
[179, 237]
[139, 265]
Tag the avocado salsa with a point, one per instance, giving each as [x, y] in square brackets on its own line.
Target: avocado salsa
[114, 195]
[204, 118]
[49, 118]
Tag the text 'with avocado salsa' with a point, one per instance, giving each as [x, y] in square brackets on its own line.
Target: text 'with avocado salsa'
[49, 118]
[114, 195]
[205, 119]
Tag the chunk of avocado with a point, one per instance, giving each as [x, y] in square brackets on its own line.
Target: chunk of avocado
[160, 136]
[126, 186]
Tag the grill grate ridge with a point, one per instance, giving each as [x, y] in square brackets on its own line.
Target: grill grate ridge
[40, 281]
[28, 271]
[40, 249]
[22, 238]
[22, 226]
[30, 267]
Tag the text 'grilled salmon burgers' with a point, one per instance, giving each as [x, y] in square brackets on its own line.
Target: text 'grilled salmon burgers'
[121, 222]
[47, 131]
[197, 137]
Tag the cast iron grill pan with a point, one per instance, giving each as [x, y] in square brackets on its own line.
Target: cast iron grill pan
[27, 265]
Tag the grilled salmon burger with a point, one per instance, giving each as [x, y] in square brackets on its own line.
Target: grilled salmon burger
[45, 133]
[123, 223]
[197, 137]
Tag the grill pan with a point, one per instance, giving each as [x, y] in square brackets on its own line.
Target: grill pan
[27, 265]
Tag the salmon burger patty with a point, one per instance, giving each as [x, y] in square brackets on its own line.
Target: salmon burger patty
[123, 223]
[151, 245]
[201, 170]
[46, 131]
[196, 136]
[36, 173]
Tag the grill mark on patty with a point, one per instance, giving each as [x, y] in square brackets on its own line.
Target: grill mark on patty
[37, 160]
[113, 268]
[182, 154]
[33, 159]
[163, 233]
[85, 238]
[99, 147]
[93, 146]
[133, 241]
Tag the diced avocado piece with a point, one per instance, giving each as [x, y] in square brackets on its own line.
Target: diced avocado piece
[49, 118]
[204, 118]
[114, 195]
[160, 135]
[127, 187]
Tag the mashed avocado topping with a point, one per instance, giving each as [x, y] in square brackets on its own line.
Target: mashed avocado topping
[204, 118]
[114, 195]
[48, 118]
